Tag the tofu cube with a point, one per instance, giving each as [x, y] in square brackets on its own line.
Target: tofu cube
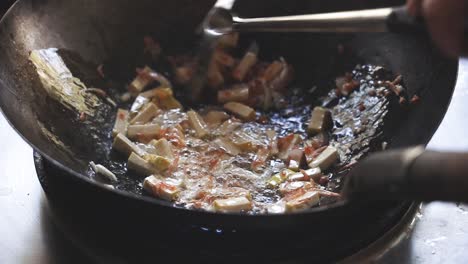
[121, 122]
[158, 163]
[160, 189]
[227, 145]
[146, 114]
[140, 82]
[242, 111]
[320, 121]
[216, 117]
[303, 202]
[327, 158]
[232, 205]
[143, 133]
[139, 165]
[239, 93]
[198, 124]
[248, 61]
[163, 148]
[123, 145]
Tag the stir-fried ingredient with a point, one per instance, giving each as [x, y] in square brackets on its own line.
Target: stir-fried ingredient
[232, 155]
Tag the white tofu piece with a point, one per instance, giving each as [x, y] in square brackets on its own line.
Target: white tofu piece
[327, 158]
[320, 121]
[248, 61]
[123, 145]
[242, 111]
[288, 187]
[140, 82]
[161, 189]
[228, 127]
[227, 145]
[163, 148]
[311, 174]
[138, 104]
[232, 205]
[303, 202]
[277, 208]
[239, 93]
[273, 141]
[198, 124]
[146, 114]
[248, 142]
[215, 117]
[158, 163]
[290, 143]
[139, 165]
[138, 132]
[121, 122]
[273, 71]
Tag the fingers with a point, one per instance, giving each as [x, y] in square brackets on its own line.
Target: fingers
[414, 7]
[445, 20]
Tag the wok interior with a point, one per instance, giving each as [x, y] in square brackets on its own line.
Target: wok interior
[111, 31]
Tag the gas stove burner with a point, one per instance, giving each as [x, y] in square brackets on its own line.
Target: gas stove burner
[126, 241]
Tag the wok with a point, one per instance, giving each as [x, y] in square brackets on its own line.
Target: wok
[111, 31]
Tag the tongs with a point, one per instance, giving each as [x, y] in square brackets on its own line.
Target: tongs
[220, 20]
[390, 19]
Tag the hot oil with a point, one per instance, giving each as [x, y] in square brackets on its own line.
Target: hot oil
[356, 132]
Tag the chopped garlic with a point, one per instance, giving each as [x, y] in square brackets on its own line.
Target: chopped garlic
[279, 178]
[327, 158]
[101, 170]
[232, 205]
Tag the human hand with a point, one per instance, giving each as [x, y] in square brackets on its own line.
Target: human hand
[446, 22]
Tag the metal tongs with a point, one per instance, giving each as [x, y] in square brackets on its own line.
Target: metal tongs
[391, 19]
[220, 20]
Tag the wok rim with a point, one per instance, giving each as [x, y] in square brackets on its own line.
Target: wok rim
[155, 201]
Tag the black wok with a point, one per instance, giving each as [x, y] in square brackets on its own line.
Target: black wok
[111, 30]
